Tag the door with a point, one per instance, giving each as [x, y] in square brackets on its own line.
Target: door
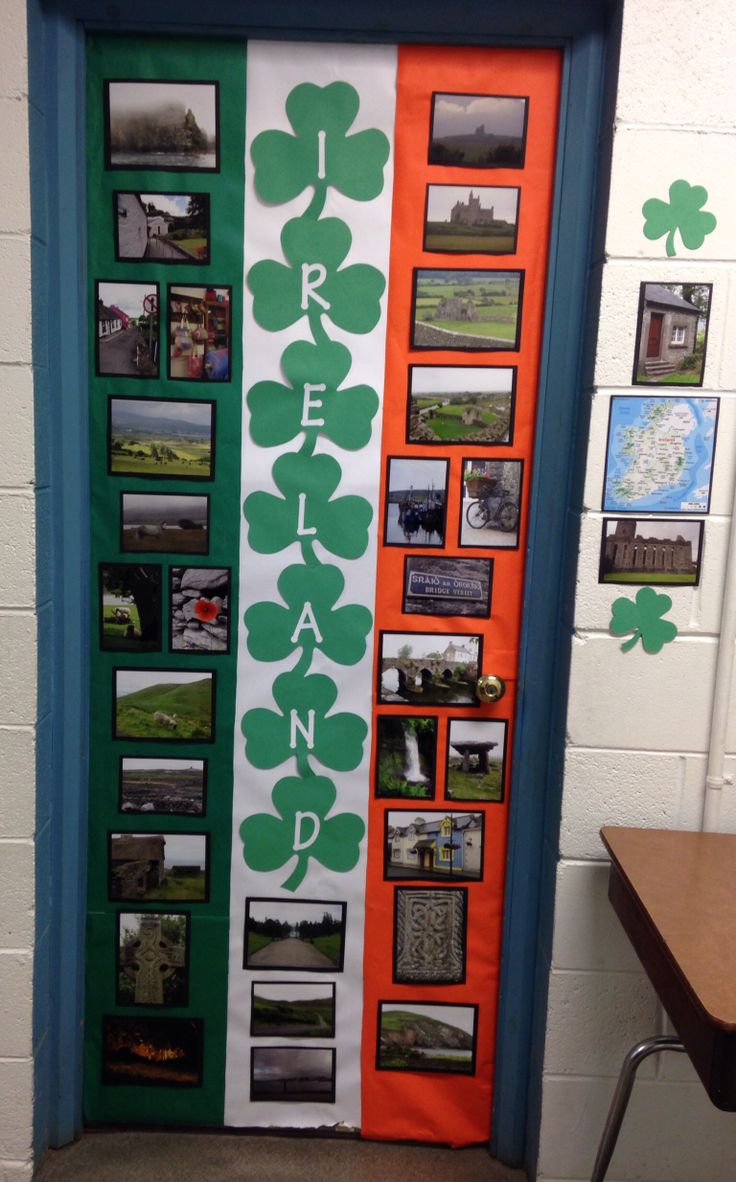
[654, 339]
[299, 813]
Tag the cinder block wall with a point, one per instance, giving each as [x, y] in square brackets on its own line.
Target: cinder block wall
[638, 724]
[17, 610]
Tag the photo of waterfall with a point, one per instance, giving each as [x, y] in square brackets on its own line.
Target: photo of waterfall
[406, 751]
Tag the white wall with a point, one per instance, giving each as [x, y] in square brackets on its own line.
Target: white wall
[638, 724]
[17, 618]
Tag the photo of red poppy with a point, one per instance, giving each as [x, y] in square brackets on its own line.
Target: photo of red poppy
[206, 610]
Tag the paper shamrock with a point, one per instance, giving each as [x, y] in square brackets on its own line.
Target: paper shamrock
[643, 617]
[684, 213]
[303, 829]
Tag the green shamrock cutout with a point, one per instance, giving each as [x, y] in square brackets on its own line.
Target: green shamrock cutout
[303, 727]
[320, 153]
[304, 830]
[310, 620]
[314, 284]
[644, 619]
[312, 403]
[684, 213]
[306, 513]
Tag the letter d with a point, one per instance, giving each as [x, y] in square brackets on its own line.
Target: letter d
[299, 818]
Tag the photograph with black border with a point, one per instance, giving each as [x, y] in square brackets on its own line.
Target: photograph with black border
[295, 1075]
[426, 1036]
[158, 867]
[416, 501]
[304, 935]
[152, 1052]
[437, 585]
[152, 958]
[161, 438]
[471, 219]
[475, 759]
[199, 332]
[127, 329]
[434, 845]
[161, 227]
[430, 930]
[162, 124]
[672, 335]
[199, 609]
[428, 668]
[490, 503]
[163, 705]
[406, 756]
[292, 1009]
[164, 523]
[470, 309]
[449, 404]
[651, 551]
[162, 787]
[130, 607]
[478, 130]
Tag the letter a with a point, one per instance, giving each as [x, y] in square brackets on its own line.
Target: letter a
[306, 620]
[313, 276]
[299, 817]
[307, 732]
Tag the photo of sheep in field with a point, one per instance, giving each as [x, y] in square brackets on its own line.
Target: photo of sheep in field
[164, 523]
[163, 704]
[130, 607]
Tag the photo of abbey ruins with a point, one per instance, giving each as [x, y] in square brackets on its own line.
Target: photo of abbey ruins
[473, 310]
[461, 404]
[167, 126]
[466, 219]
[478, 130]
[653, 551]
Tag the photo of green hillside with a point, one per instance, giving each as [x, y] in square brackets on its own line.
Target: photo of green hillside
[466, 309]
[163, 704]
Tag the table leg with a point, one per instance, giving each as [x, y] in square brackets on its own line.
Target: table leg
[617, 1111]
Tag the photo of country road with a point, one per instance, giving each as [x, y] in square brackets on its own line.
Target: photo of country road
[294, 935]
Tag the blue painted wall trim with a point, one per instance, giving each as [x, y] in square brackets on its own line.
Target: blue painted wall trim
[56, 46]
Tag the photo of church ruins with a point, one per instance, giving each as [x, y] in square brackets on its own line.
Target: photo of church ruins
[651, 551]
[478, 220]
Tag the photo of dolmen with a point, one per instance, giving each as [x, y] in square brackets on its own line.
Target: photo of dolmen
[672, 334]
[406, 756]
[166, 126]
[152, 438]
[164, 523]
[439, 586]
[293, 1009]
[163, 1052]
[175, 787]
[429, 935]
[294, 934]
[652, 551]
[473, 310]
[476, 752]
[461, 404]
[446, 847]
[162, 227]
[152, 958]
[130, 607]
[294, 1074]
[478, 130]
[200, 609]
[468, 219]
[416, 502]
[127, 330]
[163, 704]
[429, 668]
[413, 1036]
[158, 867]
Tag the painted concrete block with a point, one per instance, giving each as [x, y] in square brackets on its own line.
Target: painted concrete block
[645, 163]
[593, 1019]
[650, 86]
[16, 390]
[16, 1088]
[15, 198]
[18, 646]
[17, 549]
[618, 787]
[727, 373]
[588, 935]
[641, 700]
[17, 759]
[16, 896]
[15, 304]
[13, 50]
[727, 823]
[16, 991]
[15, 1171]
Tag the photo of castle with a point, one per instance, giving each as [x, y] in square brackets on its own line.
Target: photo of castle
[479, 220]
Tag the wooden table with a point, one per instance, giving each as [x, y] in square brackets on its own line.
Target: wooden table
[675, 894]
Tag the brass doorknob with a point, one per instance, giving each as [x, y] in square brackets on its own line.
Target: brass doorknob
[490, 688]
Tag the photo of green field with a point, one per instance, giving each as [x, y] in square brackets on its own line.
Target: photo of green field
[160, 438]
[460, 404]
[295, 1010]
[472, 310]
[163, 704]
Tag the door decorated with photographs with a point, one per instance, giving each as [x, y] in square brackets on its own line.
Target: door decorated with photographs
[305, 559]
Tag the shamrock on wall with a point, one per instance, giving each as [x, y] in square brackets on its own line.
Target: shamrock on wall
[643, 617]
[684, 213]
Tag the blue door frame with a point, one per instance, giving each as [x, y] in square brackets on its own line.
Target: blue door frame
[585, 30]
